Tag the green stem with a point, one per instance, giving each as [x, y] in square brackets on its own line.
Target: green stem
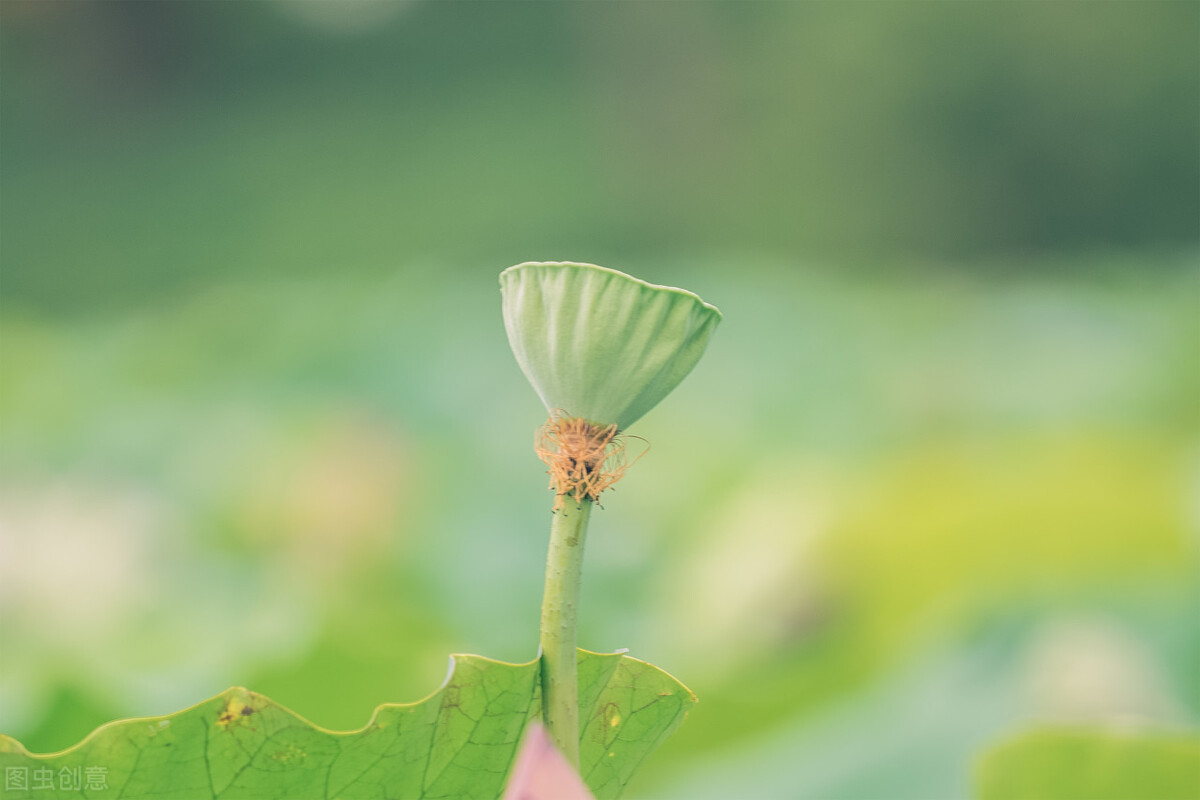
[560, 605]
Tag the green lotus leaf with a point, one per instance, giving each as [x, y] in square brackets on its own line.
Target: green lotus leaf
[457, 743]
[599, 344]
[1097, 764]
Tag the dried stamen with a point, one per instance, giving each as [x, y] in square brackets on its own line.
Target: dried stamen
[583, 458]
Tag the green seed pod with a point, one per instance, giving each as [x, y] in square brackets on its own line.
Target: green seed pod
[598, 344]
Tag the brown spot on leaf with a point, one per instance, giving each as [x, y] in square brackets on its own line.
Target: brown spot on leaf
[234, 711]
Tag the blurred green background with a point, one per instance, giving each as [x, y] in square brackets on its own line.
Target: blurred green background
[935, 480]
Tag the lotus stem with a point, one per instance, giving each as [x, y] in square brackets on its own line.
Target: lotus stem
[560, 607]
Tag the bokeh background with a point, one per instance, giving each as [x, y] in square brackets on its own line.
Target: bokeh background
[936, 479]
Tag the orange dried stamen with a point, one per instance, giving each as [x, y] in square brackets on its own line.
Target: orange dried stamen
[583, 458]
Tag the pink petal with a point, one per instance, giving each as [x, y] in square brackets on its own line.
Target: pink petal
[541, 772]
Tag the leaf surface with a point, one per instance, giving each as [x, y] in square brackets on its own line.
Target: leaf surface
[459, 742]
[1056, 764]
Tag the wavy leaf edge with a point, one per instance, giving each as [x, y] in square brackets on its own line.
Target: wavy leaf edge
[9, 744]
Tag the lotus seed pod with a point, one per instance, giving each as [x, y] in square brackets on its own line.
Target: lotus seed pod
[598, 344]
